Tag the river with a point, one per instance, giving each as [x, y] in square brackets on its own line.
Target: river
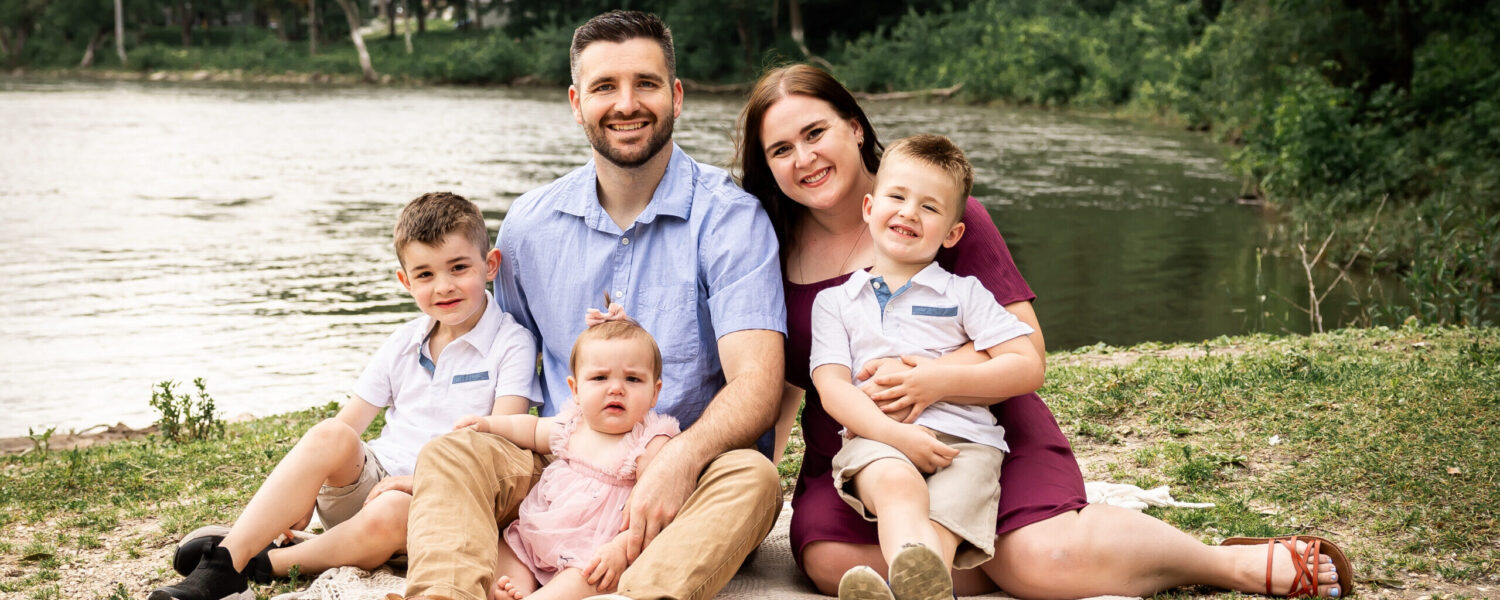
[242, 233]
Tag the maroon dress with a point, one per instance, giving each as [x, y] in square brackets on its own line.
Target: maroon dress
[1040, 478]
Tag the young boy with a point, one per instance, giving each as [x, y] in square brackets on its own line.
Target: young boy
[931, 483]
[463, 356]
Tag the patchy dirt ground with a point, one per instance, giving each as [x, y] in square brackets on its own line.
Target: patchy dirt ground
[96, 573]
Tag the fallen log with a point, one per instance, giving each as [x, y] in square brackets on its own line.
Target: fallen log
[935, 92]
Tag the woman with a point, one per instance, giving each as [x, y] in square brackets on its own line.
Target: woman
[806, 149]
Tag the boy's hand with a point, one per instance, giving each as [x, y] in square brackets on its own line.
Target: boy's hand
[881, 367]
[604, 571]
[911, 390]
[401, 483]
[922, 447]
[874, 365]
[475, 422]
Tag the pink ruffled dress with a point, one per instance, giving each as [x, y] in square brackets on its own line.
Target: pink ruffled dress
[576, 507]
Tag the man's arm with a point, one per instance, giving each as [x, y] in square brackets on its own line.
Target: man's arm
[740, 413]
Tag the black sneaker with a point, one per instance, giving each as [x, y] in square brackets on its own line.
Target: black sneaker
[193, 545]
[213, 579]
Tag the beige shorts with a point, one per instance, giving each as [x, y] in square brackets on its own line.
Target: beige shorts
[964, 496]
[338, 504]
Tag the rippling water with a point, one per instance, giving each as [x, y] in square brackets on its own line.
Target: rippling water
[241, 234]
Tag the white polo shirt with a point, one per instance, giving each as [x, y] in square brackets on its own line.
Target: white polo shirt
[933, 314]
[496, 358]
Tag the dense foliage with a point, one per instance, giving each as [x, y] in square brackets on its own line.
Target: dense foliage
[1374, 121]
[1377, 122]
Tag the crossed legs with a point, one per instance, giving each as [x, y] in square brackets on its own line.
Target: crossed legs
[330, 453]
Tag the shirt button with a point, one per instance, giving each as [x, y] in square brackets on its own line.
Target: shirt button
[624, 241]
[619, 294]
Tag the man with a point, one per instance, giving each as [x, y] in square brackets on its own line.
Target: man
[692, 258]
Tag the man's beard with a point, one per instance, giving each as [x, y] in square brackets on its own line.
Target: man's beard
[623, 158]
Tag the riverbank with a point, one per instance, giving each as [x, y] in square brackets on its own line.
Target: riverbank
[1386, 441]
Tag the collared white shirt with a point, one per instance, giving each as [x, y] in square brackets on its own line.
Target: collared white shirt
[933, 314]
[496, 358]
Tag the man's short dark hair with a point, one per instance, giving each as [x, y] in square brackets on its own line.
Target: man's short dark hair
[620, 26]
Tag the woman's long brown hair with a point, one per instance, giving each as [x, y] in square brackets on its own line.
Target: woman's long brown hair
[749, 153]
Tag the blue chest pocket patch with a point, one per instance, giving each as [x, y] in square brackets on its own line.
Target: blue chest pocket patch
[935, 311]
[480, 376]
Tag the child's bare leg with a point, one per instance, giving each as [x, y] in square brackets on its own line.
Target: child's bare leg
[947, 542]
[569, 584]
[513, 579]
[329, 452]
[366, 540]
[895, 492]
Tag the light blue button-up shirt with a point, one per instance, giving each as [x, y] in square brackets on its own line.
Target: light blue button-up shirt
[699, 262]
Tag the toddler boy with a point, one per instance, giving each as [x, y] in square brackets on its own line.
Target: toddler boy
[932, 485]
[463, 356]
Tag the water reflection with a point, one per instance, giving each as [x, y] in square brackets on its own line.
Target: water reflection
[241, 234]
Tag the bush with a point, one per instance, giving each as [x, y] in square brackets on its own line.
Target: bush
[186, 418]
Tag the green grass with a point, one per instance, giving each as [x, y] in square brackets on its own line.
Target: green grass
[1387, 441]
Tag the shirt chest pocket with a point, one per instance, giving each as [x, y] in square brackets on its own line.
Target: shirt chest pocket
[934, 311]
[470, 391]
[934, 327]
[670, 314]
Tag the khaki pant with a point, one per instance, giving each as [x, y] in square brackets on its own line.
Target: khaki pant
[468, 485]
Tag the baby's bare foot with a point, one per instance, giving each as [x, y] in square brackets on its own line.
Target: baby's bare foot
[512, 589]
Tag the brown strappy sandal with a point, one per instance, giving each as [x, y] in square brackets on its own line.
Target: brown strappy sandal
[1305, 581]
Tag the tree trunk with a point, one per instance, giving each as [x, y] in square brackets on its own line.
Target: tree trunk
[187, 24]
[351, 14]
[285, 25]
[421, 16]
[794, 18]
[15, 45]
[747, 39]
[390, 17]
[407, 29]
[88, 51]
[479, 14]
[312, 27]
[795, 8]
[120, 32]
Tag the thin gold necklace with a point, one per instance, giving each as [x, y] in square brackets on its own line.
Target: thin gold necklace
[852, 247]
